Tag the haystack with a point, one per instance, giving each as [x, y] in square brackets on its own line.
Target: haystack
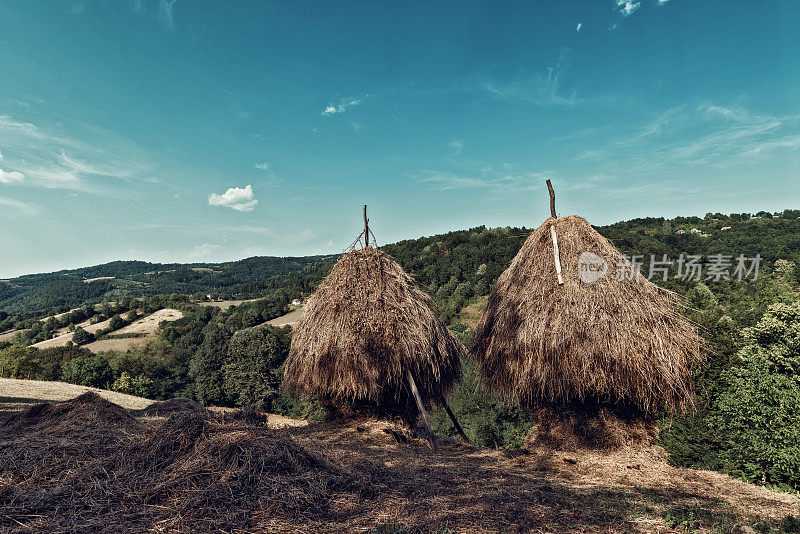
[365, 326]
[607, 338]
[370, 338]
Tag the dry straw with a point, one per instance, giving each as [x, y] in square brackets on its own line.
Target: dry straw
[365, 326]
[613, 340]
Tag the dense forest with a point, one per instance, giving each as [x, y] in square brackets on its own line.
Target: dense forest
[747, 418]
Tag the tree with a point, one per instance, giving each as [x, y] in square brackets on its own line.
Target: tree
[206, 366]
[253, 370]
[93, 371]
[758, 409]
[81, 336]
[115, 323]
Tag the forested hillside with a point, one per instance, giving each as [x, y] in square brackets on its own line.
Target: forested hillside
[59, 291]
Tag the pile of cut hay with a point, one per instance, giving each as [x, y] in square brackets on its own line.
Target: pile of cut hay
[365, 326]
[616, 341]
[87, 465]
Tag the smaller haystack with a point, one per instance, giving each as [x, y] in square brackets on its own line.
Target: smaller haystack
[365, 326]
[605, 340]
[370, 341]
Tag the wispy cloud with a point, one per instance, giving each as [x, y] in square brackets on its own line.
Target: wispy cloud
[579, 27]
[203, 251]
[165, 17]
[707, 134]
[627, 7]
[19, 207]
[263, 166]
[236, 198]
[53, 160]
[343, 105]
[542, 88]
[457, 145]
[504, 179]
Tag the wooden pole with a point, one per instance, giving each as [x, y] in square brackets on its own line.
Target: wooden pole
[552, 199]
[553, 235]
[421, 408]
[366, 227]
[555, 253]
[460, 430]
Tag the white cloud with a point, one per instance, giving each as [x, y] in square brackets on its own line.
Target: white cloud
[262, 166]
[628, 7]
[1, 155]
[342, 106]
[662, 2]
[11, 177]
[203, 251]
[579, 26]
[237, 198]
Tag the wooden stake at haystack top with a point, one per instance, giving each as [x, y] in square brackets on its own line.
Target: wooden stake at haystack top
[571, 341]
[553, 235]
[371, 342]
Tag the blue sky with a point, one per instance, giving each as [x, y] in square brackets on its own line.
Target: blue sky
[198, 131]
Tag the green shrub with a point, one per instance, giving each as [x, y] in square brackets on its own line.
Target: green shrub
[93, 371]
[139, 385]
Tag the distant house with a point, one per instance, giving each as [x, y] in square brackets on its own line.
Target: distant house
[696, 231]
[296, 302]
[681, 231]
[725, 228]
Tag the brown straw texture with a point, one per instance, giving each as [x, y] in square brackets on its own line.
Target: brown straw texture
[609, 341]
[367, 323]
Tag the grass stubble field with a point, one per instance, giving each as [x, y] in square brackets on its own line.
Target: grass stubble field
[111, 462]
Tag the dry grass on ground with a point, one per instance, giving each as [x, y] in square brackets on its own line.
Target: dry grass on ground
[149, 324]
[290, 319]
[17, 394]
[223, 304]
[471, 314]
[175, 467]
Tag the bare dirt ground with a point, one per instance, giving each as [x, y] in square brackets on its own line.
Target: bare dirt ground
[289, 319]
[188, 472]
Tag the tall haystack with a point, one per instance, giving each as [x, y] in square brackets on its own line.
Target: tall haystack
[366, 327]
[607, 337]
